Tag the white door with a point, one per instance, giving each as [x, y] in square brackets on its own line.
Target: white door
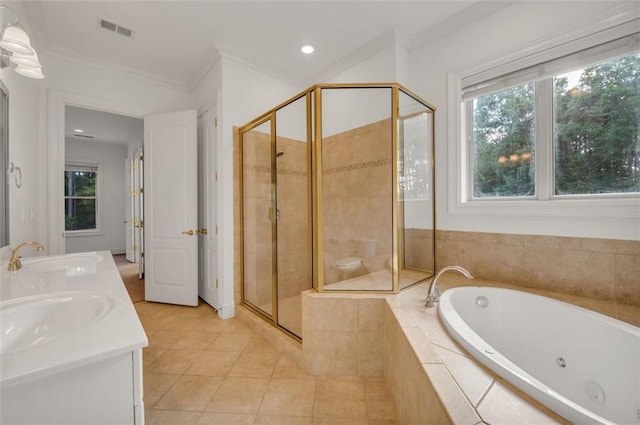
[138, 213]
[129, 172]
[208, 285]
[171, 208]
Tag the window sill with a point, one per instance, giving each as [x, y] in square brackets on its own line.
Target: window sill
[591, 207]
[82, 233]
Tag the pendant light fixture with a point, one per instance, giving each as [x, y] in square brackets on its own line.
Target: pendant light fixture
[15, 46]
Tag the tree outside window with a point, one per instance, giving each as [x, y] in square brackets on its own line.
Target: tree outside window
[595, 133]
[504, 143]
[80, 195]
[597, 142]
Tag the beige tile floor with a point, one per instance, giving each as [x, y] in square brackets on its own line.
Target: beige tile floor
[202, 370]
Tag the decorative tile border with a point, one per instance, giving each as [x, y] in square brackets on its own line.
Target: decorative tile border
[358, 166]
[281, 171]
[332, 170]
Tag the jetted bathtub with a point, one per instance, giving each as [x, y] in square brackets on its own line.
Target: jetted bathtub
[583, 365]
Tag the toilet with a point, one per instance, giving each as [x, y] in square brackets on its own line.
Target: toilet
[354, 265]
[349, 267]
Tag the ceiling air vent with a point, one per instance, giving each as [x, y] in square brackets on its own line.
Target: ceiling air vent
[124, 31]
[84, 136]
[116, 28]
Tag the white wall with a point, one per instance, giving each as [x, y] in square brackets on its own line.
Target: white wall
[110, 158]
[246, 94]
[205, 92]
[512, 30]
[24, 135]
[132, 91]
[78, 83]
[23, 152]
[344, 110]
[382, 66]
[240, 93]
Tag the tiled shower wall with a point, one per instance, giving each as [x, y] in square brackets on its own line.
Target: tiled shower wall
[293, 224]
[357, 198]
[357, 204]
[605, 269]
[418, 249]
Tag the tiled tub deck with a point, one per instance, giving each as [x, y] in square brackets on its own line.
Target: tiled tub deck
[432, 378]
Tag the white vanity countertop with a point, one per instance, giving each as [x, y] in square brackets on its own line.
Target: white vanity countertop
[74, 334]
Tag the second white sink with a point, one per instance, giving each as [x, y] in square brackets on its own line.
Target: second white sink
[31, 321]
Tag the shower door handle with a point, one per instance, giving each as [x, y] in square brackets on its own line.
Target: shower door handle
[274, 214]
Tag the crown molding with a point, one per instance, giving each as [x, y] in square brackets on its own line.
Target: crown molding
[365, 51]
[78, 59]
[207, 65]
[228, 54]
[622, 17]
[464, 17]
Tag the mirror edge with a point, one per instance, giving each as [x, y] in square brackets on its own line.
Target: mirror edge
[4, 159]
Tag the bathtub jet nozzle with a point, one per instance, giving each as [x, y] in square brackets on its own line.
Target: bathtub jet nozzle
[433, 295]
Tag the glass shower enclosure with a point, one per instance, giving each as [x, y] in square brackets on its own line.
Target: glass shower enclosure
[336, 194]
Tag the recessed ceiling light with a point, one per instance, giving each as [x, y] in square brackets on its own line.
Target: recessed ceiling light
[307, 49]
[77, 130]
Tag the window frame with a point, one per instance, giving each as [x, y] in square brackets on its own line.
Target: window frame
[544, 206]
[91, 167]
[544, 139]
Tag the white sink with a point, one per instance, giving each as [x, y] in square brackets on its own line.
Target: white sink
[31, 321]
[74, 265]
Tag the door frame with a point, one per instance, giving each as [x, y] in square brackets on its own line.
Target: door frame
[53, 154]
[209, 163]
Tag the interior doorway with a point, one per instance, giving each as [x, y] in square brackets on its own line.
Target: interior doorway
[102, 183]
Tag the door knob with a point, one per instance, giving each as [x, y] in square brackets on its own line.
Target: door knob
[189, 232]
[203, 231]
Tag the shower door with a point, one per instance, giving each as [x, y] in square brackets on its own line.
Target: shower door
[258, 218]
[293, 206]
[275, 157]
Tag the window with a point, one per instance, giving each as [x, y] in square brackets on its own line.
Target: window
[80, 197]
[504, 143]
[580, 110]
[596, 123]
[415, 157]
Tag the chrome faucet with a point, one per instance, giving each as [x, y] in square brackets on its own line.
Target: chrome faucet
[14, 261]
[434, 293]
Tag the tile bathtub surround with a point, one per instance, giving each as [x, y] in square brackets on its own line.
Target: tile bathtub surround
[343, 334]
[453, 388]
[202, 370]
[431, 377]
[594, 268]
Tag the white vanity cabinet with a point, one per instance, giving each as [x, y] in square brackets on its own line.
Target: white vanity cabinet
[108, 391]
[70, 344]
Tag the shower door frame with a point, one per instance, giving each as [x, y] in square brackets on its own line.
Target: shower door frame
[397, 220]
[270, 116]
[313, 98]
